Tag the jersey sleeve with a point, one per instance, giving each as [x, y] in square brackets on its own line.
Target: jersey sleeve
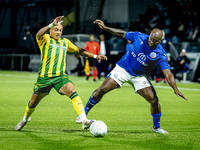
[43, 40]
[86, 46]
[164, 64]
[131, 35]
[71, 47]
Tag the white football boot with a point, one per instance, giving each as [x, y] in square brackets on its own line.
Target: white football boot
[159, 130]
[78, 120]
[87, 123]
[21, 124]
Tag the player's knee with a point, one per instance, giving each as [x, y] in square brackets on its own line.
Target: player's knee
[69, 92]
[68, 89]
[153, 100]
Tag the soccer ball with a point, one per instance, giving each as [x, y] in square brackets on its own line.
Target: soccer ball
[98, 129]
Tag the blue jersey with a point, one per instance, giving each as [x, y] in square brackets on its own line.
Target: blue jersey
[140, 59]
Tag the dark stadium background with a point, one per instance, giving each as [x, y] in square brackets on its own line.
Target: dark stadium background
[21, 19]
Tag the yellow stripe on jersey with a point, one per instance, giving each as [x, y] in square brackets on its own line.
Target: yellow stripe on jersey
[53, 54]
[42, 42]
[60, 59]
[44, 61]
[64, 66]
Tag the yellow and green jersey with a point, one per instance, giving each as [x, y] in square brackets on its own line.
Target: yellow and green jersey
[53, 55]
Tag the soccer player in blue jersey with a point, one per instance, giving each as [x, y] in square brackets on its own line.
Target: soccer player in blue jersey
[144, 54]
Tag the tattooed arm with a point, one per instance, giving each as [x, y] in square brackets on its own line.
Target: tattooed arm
[117, 32]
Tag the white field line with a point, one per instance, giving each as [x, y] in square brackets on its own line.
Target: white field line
[21, 76]
[83, 81]
[31, 81]
[168, 87]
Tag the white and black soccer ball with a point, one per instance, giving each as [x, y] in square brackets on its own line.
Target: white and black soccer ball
[98, 129]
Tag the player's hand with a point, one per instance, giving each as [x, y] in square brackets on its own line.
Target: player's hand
[58, 20]
[100, 23]
[178, 93]
[182, 61]
[101, 57]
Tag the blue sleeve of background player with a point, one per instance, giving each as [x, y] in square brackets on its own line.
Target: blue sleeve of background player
[131, 35]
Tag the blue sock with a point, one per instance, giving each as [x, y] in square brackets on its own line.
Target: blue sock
[156, 120]
[89, 105]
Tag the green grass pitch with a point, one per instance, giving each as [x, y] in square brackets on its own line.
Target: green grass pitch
[126, 114]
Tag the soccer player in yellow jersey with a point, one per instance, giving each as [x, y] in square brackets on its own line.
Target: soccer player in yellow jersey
[51, 74]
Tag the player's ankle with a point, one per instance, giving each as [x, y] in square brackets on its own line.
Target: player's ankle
[82, 117]
[25, 119]
[156, 127]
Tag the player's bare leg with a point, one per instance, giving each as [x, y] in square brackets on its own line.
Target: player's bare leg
[69, 90]
[149, 94]
[35, 99]
[108, 85]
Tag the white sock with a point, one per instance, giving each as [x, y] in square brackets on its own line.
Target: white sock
[82, 117]
[25, 119]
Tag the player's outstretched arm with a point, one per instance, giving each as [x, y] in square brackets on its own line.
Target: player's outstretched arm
[41, 32]
[85, 53]
[170, 79]
[117, 32]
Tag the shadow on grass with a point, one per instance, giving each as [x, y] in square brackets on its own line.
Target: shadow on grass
[75, 131]
[131, 132]
[38, 130]
[42, 130]
[8, 129]
[5, 129]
